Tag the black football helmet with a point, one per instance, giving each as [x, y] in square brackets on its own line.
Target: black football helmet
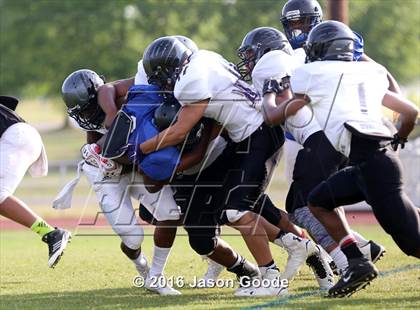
[166, 115]
[79, 92]
[330, 40]
[163, 60]
[258, 42]
[190, 44]
[298, 18]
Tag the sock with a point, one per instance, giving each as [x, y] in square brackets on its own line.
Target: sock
[41, 227]
[160, 256]
[278, 240]
[360, 239]
[271, 265]
[339, 258]
[349, 247]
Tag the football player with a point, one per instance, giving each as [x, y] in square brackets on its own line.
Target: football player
[265, 54]
[109, 94]
[346, 99]
[143, 106]
[21, 150]
[298, 17]
[221, 95]
[113, 188]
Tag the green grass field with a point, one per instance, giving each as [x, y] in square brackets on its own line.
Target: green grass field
[94, 274]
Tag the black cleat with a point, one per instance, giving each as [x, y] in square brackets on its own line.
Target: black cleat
[356, 277]
[57, 241]
[377, 251]
[372, 251]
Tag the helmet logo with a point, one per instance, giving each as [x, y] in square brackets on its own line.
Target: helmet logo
[293, 14]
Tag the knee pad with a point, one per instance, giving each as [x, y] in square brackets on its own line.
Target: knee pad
[201, 243]
[234, 215]
[131, 236]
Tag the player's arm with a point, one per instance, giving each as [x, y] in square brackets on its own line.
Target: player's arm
[189, 116]
[407, 110]
[110, 97]
[93, 136]
[277, 104]
[196, 155]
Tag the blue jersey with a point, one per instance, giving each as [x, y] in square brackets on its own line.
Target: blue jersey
[142, 102]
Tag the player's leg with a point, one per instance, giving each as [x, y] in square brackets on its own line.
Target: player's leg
[299, 248]
[167, 217]
[242, 188]
[115, 204]
[204, 242]
[20, 147]
[393, 209]
[341, 189]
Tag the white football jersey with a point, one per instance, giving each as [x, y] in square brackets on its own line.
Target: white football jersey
[277, 64]
[232, 101]
[300, 55]
[344, 92]
[141, 77]
[272, 65]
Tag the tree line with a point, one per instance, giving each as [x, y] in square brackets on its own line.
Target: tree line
[43, 41]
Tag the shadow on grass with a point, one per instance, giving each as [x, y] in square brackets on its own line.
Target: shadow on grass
[115, 298]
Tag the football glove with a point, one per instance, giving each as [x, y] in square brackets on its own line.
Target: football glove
[398, 141]
[91, 155]
[275, 85]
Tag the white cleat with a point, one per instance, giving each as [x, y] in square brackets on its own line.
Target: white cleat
[270, 284]
[213, 271]
[142, 267]
[299, 250]
[319, 262]
[160, 285]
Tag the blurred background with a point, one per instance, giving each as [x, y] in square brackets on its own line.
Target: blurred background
[42, 41]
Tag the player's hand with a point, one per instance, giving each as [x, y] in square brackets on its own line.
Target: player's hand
[398, 141]
[91, 153]
[110, 168]
[275, 86]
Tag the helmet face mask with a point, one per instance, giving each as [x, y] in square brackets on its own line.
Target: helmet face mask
[298, 18]
[79, 92]
[330, 40]
[256, 44]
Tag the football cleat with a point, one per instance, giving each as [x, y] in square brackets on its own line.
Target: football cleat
[57, 241]
[245, 271]
[276, 286]
[213, 271]
[160, 286]
[357, 276]
[299, 250]
[373, 251]
[319, 263]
